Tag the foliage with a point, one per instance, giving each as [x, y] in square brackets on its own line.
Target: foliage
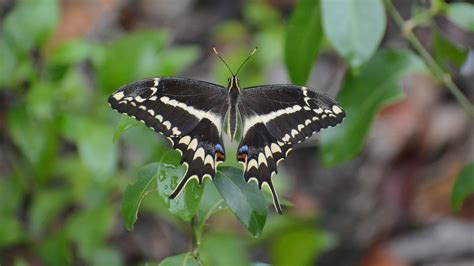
[463, 188]
[67, 168]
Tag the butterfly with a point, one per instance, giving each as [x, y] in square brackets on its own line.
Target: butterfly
[194, 114]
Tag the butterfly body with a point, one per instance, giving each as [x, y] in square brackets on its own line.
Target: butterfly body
[193, 115]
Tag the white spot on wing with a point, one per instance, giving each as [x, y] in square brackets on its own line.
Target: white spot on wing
[199, 154]
[294, 133]
[193, 145]
[262, 159]
[268, 152]
[140, 99]
[159, 118]
[252, 163]
[275, 148]
[153, 98]
[176, 131]
[151, 112]
[167, 124]
[185, 140]
[118, 96]
[336, 109]
[209, 160]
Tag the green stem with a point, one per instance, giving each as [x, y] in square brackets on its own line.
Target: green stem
[436, 70]
[196, 239]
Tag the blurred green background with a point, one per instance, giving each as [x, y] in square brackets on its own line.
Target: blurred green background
[380, 189]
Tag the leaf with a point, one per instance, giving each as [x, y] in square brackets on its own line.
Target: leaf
[461, 15]
[107, 256]
[11, 232]
[210, 203]
[96, 150]
[134, 193]
[245, 200]
[57, 244]
[71, 52]
[89, 228]
[132, 57]
[169, 174]
[185, 259]
[46, 206]
[30, 23]
[300, 246]
[303, 40]
[125, 123]
[223, 249]
[362, 96]
[354, 27]
[37, 140]
[176, 59]
[446, 53]
[463, 187]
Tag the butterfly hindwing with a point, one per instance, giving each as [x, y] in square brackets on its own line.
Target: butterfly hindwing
[275, 117]
[188, 112]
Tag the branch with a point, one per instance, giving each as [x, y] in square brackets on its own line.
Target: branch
[435, 69]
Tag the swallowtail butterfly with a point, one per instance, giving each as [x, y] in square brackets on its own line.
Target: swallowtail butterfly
[193, 114]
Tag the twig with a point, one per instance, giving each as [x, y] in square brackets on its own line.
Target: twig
[196, 239]
[437, 71]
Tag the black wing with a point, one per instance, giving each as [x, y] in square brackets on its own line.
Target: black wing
[188, 112]
[275, 117]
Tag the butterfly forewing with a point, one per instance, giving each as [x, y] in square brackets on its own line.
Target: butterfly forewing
[274, 118]
[188, 112]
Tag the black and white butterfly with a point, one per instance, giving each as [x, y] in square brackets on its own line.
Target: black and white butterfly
[193, 115]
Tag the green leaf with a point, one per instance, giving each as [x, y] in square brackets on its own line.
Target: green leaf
[300, 246]
[303, 40]
[185, 259]
[57, 244]
[223, 249]
[96, 150]
[30, 23]
[354, 27]
[11, 232]
[107, 256]
[245, 200]
[37, 140]
[463, 188]
[40, 100]
[462, 15]
[134, 193]
[446, 53]
[88, 229]
[211, 202]
[71, 52]
[125, 123]
[176, 59]
[132, 57]
[8, 63]
[169, 174]
[362, 96]
[46, 206]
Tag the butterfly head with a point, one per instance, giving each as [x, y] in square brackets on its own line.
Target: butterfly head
[233, 83]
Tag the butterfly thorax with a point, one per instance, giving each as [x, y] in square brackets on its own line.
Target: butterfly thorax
[232, 113]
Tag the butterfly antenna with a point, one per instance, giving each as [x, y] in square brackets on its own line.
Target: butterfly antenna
[222, 59]
[243, 63]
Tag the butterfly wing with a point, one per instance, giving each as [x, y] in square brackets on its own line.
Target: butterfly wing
[188, 112]
[274, 117]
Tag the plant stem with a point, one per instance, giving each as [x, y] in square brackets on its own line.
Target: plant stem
[436, 70]
[196, 239]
